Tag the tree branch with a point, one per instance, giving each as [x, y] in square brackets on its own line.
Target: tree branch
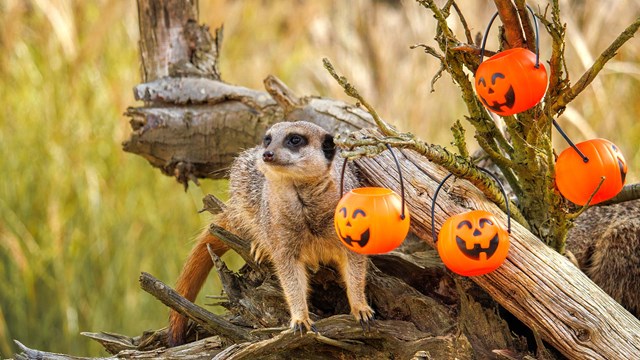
[509, 17]
[628, 193]
[211, 322]
[592, 72]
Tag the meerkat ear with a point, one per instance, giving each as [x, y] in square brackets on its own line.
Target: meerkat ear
[328, 147]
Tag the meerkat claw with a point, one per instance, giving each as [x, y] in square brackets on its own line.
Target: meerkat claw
[366, 317]
[314, 329]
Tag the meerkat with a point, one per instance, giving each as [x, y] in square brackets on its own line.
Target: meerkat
[606, 244]
[283, 195]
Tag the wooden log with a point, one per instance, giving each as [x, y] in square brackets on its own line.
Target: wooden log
[536, 284]
[193, 127]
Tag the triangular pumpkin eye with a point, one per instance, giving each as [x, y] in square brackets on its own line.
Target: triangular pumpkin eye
[484, 221]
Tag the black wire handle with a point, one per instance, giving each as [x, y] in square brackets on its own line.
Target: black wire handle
[344, 165]
[566, 138]
[435, 196]
[535, 22]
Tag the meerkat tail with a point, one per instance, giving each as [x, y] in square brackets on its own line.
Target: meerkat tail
[191, 279]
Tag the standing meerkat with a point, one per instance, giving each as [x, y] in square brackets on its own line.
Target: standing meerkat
[283, 195]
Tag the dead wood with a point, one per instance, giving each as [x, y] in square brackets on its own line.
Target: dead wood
[536, 284]
[193, 127]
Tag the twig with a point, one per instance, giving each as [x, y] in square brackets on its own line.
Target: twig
[211, 322]
[628, 193]
[212, 204]
[473, 50]
[509, 17]
[28, 353]
[385, 128]
[459, 140]
[588, 203]
[526, 24]
[467, 32]
[457, 165]
[592, 72]
[238, 244]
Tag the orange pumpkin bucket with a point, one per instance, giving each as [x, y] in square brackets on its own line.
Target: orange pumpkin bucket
[372, 220]
[472, 243]
[577, 179]
[511, 81]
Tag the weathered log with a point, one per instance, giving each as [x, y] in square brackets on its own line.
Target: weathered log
[193, 127]
[536, 284]
[163, 41]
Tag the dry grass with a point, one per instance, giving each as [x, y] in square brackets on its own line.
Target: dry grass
[79, 218]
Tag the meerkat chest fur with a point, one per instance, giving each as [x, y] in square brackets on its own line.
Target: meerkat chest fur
[288, 189]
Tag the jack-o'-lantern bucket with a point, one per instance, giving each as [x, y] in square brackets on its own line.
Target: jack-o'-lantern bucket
[472, 243]
[372, 220]
[510, 81]
[591, 171]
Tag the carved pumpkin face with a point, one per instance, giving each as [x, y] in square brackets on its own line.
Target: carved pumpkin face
[577, 180]
[499, 95]
[473, 243]
[509, 83]
[367, 220]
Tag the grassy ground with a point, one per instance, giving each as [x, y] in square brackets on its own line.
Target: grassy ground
[79, 218]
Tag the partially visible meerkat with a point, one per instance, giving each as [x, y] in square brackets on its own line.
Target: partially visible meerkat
[283, 195]
[606, 243]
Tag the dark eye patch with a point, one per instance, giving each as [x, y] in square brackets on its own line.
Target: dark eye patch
[466, 223]
[358, 211]
[295, 141]
[485, 221]
[266, 140]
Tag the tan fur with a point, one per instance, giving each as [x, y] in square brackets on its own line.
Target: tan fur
[606, 243]
[285, 206]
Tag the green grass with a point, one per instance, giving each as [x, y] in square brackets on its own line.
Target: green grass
[79, 218]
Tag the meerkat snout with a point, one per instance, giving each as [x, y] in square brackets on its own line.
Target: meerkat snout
[268, 155]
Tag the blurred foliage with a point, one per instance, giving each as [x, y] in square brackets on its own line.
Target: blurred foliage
[79, 218]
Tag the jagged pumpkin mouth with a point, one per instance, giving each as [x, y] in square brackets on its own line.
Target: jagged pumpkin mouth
[364, 238]
[477, 249]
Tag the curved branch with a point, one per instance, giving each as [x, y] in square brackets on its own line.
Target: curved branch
[589, 75]
[370, 145]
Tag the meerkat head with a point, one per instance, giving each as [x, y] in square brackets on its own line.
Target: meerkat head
[296, 149]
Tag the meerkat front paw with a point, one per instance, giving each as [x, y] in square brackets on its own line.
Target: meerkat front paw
[298, 324]
[364, 314]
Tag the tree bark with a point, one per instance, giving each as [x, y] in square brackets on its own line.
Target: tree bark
[193, 127]
[536, 284]
[162, 35]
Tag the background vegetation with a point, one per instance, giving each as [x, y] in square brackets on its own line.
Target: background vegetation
[79, 218]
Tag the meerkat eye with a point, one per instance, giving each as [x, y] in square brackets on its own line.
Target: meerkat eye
[295, 141]
[267, 140]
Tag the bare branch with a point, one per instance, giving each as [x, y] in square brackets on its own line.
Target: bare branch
[213, 323]
[509, 17]
[592, 72]
[628, 193]
[350, 90]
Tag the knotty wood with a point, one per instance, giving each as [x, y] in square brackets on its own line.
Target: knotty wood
[538, 285]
